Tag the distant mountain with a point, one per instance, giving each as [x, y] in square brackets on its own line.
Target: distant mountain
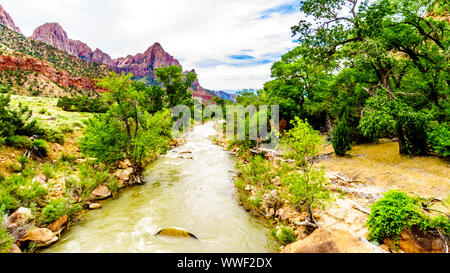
[226, 96]
[96, 62]
[142, 65]
[7, 21]
[35, 68]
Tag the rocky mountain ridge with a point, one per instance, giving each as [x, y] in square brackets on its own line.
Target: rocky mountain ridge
[6, 20]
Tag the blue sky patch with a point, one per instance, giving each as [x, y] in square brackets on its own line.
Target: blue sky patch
[288, 8]
[241, 57]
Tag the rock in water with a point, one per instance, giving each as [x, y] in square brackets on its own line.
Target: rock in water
[329, 241]
[176, 232]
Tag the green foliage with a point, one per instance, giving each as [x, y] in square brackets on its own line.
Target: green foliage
[308, 189]
[15, 124]
[257, 171]
[176, 85]
[40, 148]
[83, 104]
[395, 212]
[127, 129]
[67, 158]
[54, 135]
[439, 139]
[384, 64]
[20, 142]
[284, 235]
[301, 143]
[48, 171]
[19, 191]
[56, 209]
[5, 239]
[341, 138]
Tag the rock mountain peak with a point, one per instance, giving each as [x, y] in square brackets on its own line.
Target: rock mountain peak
[6, 20]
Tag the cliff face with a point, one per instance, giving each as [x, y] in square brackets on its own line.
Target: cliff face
[144, 64]
[60, 77]
[141, 65]
[7, 21]
[53, 34]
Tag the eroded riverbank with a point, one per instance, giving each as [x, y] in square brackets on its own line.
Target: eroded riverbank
[191, 187]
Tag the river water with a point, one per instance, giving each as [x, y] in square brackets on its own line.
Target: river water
[193, 194]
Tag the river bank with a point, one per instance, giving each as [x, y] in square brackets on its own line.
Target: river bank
[190, 188]
[353, 196]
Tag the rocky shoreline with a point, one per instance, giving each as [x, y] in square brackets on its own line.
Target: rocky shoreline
[340, 228]
[28, 234]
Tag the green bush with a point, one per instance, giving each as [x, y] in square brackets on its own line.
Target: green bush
[69, 158]
[341, 138]
[54, 136]
[397, 211]
[40, 148]
[5, 239]
[16, 167]
[43, 111]
[48, 171]
[284, 235]
[439, 139]
[56, 209]
[19, 191]
[19, 142]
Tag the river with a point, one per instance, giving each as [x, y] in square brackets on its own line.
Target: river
[193, 194]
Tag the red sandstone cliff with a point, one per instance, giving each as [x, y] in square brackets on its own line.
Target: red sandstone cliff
[58, 76]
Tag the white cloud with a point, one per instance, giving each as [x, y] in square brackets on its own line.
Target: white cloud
[201, 34]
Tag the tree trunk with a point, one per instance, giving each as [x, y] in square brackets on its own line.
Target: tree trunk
[401, 139]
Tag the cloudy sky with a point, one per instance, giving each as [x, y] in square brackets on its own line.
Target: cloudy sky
[230, 43]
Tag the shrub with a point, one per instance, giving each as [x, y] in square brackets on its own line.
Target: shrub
[19, 142]
[54, 136]
[341, 138]
[15, 167]
[47, 170]
[43, 111]
[308, 189]
[396, 211]
[284, 235]
[56, 209]
[5, 239]
[40, 148]
[439, 139]
[20, 191]
[69, 158]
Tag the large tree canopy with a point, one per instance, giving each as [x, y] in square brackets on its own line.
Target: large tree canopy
[383, 65]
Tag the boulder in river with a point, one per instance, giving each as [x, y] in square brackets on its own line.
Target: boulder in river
[176, 232]
[95, 206]
[329, 241]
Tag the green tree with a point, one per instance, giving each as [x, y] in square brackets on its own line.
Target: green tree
[176, 85]
[306, 187]
[127, 129]
[341, 138]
